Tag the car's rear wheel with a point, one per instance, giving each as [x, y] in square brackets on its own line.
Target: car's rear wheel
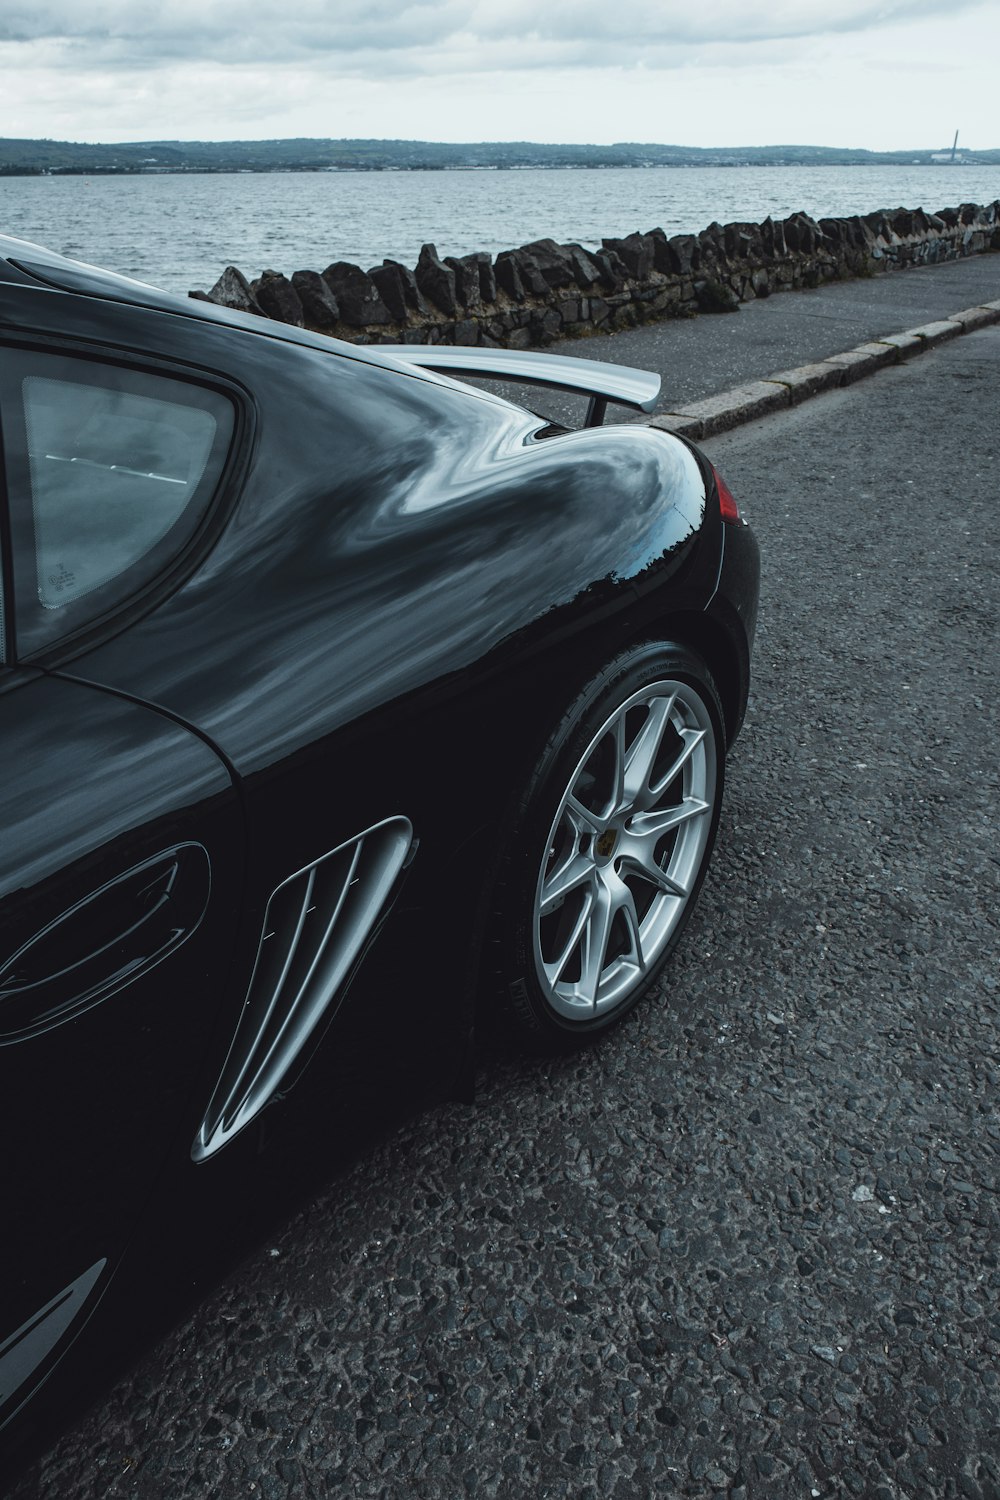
[608, 845]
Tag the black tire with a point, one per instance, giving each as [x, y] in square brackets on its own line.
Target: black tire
[610, 840]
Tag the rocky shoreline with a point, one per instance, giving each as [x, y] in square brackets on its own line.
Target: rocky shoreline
[543, 291]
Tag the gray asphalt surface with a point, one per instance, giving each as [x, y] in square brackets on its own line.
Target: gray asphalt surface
[701, 356]
[748, 1245]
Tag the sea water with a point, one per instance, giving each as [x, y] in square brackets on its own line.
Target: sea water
[180, 230]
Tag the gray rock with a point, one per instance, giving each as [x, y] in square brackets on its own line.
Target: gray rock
[743, 241]
[356, 295]
[546, 326]
[319, 305]
[613, 272]
[389, 286]
[278, 299]
[585, 272]
[715, 296]
[802, 233]
[437, 281]
[772, 235]
[233, 290]
[401, 285]
[711, 245]
[553, 262]
[846, 233]
[483, 266]
[530, 273]
[678, 256]
[636, 252]
[467, 290]
[508, 277]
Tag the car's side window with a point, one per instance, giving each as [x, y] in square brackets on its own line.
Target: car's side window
[110, 473]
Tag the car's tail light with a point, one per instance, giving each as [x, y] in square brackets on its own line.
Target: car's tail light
[727, 504]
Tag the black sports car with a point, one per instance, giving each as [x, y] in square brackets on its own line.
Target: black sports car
[345, 709]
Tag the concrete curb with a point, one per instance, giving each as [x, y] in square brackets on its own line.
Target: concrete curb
[714, 414]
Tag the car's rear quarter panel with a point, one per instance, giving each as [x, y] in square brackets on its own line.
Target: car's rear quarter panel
[407, 593]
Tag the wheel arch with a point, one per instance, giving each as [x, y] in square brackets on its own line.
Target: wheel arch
[567, 666]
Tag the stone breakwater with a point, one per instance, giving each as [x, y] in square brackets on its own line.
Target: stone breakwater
[544, 291]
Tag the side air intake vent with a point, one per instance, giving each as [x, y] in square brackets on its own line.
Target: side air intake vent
[315, 926]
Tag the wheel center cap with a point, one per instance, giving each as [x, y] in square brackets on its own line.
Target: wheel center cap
[605, 845]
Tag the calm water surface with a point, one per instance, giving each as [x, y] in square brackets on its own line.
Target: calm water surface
[180, 231]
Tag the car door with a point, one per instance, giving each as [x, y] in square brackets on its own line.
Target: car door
[243, 644]
[122, 841]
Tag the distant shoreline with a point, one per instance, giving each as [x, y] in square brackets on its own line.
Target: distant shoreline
[430, 167]
[43, 158]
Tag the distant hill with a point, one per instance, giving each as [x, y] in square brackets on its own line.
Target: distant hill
[33, 157]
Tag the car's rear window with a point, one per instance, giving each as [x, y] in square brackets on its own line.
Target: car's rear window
[110, 471]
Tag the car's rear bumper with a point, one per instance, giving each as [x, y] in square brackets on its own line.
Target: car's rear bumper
[733, 609]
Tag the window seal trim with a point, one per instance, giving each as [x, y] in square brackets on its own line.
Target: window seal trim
[8, 622]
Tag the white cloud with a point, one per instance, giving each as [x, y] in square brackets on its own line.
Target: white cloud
[879, 73]
[566, 31]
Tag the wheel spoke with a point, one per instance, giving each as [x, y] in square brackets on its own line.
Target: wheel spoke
[691, 739]
[571, 874]
[581, 818]
[620, 768]
[643, 863]
[596, 937]
[661, 820]
[571, 938]
[642, 753]
[626, 905]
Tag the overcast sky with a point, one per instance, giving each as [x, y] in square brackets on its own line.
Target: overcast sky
[886, 74]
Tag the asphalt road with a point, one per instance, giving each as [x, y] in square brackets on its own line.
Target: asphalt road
[701, 356]
[748, 1245]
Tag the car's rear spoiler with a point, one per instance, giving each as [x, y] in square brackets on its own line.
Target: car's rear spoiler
[602, 382]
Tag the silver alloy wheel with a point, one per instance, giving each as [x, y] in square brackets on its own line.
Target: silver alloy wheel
[625, 850]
